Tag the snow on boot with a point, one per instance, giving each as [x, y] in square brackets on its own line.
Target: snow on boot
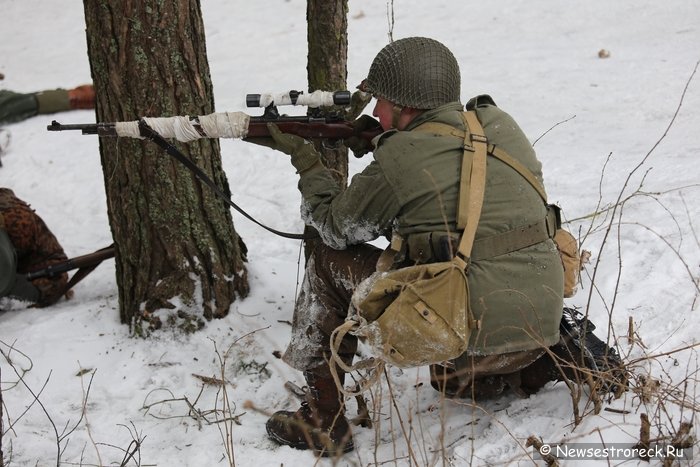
[319, 424]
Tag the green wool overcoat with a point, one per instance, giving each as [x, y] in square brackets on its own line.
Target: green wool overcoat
[412, 187]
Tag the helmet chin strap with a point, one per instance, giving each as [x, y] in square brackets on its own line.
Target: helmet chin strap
[396, 115]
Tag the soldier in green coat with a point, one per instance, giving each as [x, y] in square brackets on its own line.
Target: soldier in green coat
[410, 190]
[16, 106]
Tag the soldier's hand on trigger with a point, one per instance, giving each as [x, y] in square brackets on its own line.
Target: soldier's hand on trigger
[304, 154]
[358, 145]
[266, 141]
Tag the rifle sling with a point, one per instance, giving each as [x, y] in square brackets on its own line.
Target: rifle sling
[149, 133]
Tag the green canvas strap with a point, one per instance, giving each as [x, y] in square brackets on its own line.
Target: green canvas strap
[516, 165]
[443, 129]
[505, 242]
[472, 182]
[471, 199]
[516, 239]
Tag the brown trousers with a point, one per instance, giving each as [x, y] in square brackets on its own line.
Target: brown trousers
[330, 279]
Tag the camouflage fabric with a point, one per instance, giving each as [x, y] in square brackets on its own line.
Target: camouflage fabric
[412, 187]
[35, 245]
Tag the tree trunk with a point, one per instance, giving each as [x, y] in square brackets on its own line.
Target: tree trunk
[178, 257]
[326, 69]
[327, 65]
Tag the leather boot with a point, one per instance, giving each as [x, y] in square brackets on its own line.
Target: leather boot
[578, 355]
[446, 381]
[319, 424]
[82, 97]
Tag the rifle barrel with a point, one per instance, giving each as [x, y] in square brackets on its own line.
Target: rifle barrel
[100, 129]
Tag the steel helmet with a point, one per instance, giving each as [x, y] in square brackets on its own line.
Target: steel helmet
[414, 72]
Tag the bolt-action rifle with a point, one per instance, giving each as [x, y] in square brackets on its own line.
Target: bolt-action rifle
[241, 125]
[90, 261]
[237, 125]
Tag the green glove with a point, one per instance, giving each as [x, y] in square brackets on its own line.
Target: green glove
[360, 146]
[266, 141]
[304, 154]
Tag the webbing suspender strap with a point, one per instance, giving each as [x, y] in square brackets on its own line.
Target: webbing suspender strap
[443, 129]
[505, 242]
[516, 165]
[471, 189]
[471, 199]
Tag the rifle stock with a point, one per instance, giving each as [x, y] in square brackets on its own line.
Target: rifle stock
[89, 260]
[333, 131]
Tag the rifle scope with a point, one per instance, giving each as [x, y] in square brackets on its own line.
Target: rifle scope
[314, 99]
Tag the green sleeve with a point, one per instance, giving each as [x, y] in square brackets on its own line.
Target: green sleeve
[15, 107]
[362, 212]
[55, 100]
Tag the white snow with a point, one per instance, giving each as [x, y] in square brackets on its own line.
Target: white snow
[539, 61]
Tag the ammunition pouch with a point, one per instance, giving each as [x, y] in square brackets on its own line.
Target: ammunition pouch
[431, 247]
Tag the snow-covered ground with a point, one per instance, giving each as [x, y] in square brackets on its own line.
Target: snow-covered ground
[540, 61]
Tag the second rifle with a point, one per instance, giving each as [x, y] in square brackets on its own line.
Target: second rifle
[85, 261]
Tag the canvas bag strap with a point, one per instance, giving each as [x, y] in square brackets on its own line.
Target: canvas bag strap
[471, 197]
[443, 129]
[516, 165]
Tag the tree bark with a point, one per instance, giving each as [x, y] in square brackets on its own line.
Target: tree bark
[327, 64]
[326, 69]
[178, 257]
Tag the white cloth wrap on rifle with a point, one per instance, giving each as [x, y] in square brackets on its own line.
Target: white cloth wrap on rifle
[216, 125]
[315, 99]
[225, 124]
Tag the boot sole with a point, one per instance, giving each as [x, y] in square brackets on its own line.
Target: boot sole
[304, 446]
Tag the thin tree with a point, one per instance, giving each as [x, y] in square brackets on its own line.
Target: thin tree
[327, 38]
[178, 257]
[327, 63]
